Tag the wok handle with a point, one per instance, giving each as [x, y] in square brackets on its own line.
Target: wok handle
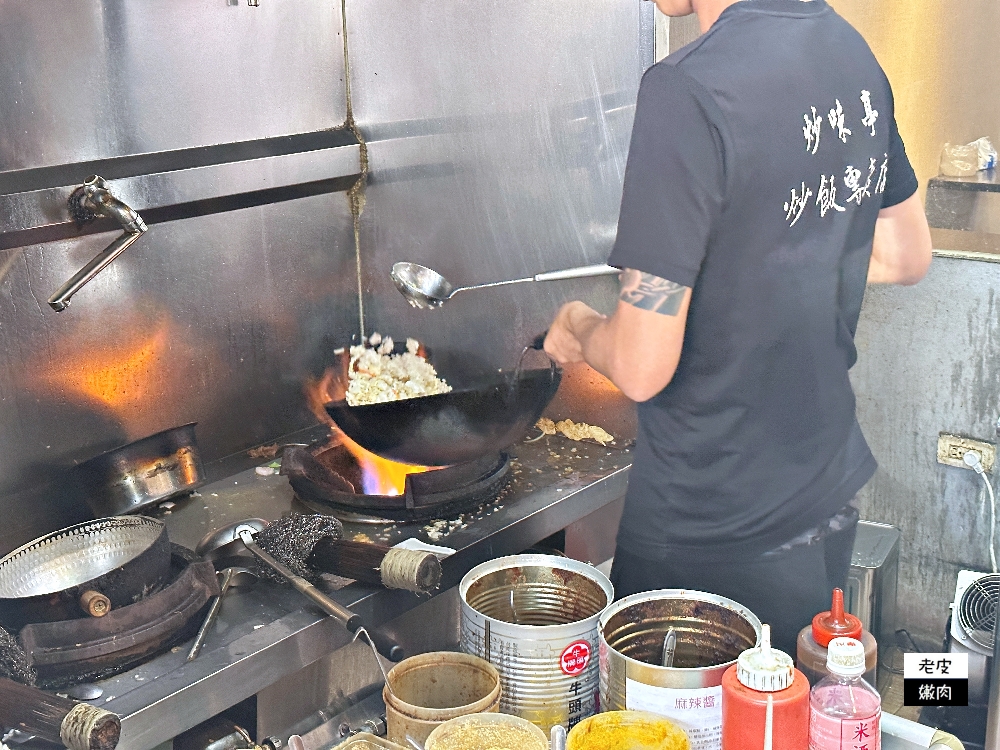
[338, 611]
[94, 603]
[78, 726]
[578, 273]
[539, 341]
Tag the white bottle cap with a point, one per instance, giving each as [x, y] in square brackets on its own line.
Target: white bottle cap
[845, 657]
[765, 669]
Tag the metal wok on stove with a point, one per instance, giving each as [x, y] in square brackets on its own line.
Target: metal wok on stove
[483, 414]
[51, 578]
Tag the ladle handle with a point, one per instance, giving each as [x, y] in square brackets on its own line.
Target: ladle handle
[578, 273]
[213, 613]
[338, 611]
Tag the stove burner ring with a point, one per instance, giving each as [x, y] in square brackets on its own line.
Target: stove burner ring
[85, 649]
[428, 495]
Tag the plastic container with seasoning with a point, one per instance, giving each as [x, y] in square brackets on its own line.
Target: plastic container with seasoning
[765, 701]
[845, 712]
[811, 648]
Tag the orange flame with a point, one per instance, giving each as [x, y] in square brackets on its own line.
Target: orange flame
[380, 476]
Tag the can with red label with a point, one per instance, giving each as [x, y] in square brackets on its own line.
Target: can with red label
[711, 632]
[534, 617]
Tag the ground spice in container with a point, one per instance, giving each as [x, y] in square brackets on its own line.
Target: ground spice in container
[627, 730]
[487, 732]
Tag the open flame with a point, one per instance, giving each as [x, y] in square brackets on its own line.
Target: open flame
[380, 476]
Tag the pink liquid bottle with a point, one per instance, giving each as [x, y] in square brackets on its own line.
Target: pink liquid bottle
[844, 710]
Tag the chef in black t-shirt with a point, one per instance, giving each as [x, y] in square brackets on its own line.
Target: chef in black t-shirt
[766, 183]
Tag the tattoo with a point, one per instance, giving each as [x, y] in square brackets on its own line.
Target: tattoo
[648, 292]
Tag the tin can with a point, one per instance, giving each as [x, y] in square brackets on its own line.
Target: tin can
[534, 618]
[712, 631]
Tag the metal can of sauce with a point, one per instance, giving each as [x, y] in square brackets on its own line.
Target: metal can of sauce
[712, 631]
[534, 618]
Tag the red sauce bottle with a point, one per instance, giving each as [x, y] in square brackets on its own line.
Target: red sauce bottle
[810, 657]
[765, 701]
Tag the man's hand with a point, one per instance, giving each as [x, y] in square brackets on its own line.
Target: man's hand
[562, 342]
[639, 346]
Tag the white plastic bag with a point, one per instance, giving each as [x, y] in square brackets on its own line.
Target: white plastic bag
[965, 161]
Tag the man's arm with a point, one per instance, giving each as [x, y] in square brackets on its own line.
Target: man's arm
[901, 250]
[639, 346]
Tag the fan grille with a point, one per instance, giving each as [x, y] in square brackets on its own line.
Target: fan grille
[977, 611]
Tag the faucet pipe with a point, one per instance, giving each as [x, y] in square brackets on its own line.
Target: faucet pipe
[91, 201]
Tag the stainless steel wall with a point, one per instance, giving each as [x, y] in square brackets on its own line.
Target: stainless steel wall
[217, 318]
[497, 134]
[108, 78]
[497, 141]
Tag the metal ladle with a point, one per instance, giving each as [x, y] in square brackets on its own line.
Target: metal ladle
[426, 289]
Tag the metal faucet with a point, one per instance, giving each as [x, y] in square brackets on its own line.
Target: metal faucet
[87, 203]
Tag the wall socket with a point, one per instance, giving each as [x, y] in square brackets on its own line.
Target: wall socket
[952, 449]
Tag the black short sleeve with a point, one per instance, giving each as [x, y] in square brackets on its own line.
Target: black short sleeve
[900, 182]
[674, 180]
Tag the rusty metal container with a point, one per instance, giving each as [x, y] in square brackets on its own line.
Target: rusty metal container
[426, 690]
[712, 631]
[534, 617]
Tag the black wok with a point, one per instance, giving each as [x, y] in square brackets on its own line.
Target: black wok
[484, 413]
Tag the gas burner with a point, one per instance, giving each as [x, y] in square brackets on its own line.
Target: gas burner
[325, 482]
[86, 649]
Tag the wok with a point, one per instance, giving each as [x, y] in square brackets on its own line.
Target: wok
[140, 474]
[121, 558]
[484, 413]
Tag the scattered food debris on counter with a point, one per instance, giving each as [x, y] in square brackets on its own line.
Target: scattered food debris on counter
[437, 530]
[264, 451]
[575, 430]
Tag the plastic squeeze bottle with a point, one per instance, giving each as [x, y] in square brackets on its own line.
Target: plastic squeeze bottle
[765, 701]
[845, 711]
[810, 651]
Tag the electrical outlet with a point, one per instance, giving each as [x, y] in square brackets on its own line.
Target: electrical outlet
[952, 449]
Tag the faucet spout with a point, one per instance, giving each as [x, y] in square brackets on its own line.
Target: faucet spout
[88, 202]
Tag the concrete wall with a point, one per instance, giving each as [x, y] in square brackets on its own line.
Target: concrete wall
[929, 361]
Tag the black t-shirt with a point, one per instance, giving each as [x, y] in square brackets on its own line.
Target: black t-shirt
[761, 155]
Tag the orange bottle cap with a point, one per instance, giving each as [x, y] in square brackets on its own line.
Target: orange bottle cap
[836, 623]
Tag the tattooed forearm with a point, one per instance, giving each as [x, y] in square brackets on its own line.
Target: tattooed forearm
[648, 292]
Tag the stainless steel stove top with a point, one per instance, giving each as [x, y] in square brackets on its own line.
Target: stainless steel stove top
[267, 632]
